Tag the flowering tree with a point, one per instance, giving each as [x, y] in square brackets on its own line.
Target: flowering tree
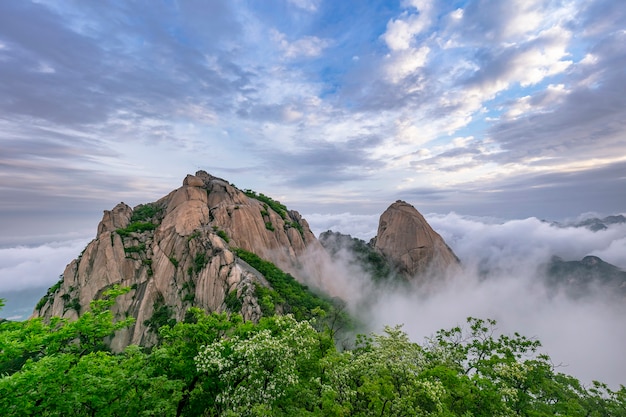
[258, 371]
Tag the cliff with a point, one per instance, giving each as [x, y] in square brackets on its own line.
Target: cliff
[176, 253]
[411, 246]
[187, 248]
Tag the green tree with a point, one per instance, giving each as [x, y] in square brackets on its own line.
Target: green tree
[260, 370]
[64, 368]
[180, 344]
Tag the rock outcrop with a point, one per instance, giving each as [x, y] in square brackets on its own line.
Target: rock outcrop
[176, 253]
[408, 242]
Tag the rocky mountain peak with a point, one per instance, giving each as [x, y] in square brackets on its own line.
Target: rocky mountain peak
[177, 252]
[407, 240]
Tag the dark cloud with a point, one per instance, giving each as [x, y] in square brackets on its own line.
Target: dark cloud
[141, 57]
[318, 162]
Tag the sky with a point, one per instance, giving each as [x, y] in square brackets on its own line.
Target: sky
[508, 109]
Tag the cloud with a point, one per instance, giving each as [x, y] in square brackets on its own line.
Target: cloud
[119, 101]
[25, 267]
[318, 162]
[582, 123]
[502, 279]
[529, 189]
[361, 226]
[307, 5]
[401, 32]
[308, 46]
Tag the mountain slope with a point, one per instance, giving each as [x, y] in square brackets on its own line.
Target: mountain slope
[176, 253]
[408, 242]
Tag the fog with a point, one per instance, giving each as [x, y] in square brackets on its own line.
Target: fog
[502, 280]
[24, 267]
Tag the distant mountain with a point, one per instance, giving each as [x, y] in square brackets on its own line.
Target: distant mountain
[595, 223]
[406, 249]
[581, 278]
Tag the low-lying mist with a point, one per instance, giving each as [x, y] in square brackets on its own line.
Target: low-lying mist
[503, 277]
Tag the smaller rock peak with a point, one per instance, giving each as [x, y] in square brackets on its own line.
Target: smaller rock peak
[118, 218]
[206, 177]
[193, 181]
[406, 239]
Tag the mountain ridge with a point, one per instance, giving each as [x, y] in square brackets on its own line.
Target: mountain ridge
[182, 251]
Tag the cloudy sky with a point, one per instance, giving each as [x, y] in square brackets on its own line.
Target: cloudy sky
[509, 109]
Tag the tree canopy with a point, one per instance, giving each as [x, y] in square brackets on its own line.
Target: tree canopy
[218, 365]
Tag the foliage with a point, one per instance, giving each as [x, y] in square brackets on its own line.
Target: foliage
[223, 235]
[260, 370]
[219, 365]
[161, 316]
[232, 301]
[135, 249]
[296, 226]
[294, 297]
[144, 212]
[279, 208]
[49, 294]
[136, 227]
[200, 261]
[362, 254]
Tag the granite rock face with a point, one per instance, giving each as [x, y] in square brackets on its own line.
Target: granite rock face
[411, 246]
[176, 253]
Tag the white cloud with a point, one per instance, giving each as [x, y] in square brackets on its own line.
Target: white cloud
[308, 5]
[401, 32]
[526, 17]
[26, 267]
[541, 102]
[403, 63]
[511, 253]
[308, 46]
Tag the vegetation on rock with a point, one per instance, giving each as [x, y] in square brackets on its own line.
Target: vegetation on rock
[277, 206]
[292, 296]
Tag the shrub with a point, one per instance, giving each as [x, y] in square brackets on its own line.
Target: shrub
[223, 235]
[277, 206]
[200, 261]
[144, 213]
[233, 303]
[136, 227]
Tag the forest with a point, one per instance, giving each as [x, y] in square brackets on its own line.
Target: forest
[214, 364]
